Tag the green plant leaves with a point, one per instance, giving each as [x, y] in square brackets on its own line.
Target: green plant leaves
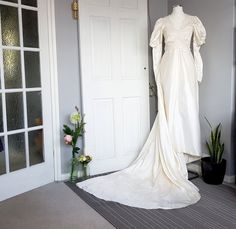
[76, 150]
[67, 130]
[209, 148]
[214, 145]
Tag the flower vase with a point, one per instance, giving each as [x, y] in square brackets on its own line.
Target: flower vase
[85, 172]
[74, 173]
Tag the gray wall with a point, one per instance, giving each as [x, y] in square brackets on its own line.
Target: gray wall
[157, 9]
[216, 89]
[68, 70]
[233, 134]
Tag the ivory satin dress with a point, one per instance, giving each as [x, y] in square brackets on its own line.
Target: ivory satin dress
[158, 178]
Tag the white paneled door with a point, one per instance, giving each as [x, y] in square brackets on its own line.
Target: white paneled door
[114, 69]
[26, 152]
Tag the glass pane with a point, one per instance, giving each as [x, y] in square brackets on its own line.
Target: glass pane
[12, 68]
[30, 28]
[10, 26]
[2, 157]
[15, 1]
[16, 146]
[1, 119]
[29, 2]
[36, 147]
[32, 69]
[34, 108]
[14, 108]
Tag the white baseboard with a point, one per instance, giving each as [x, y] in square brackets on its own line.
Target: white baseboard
[194, 168]
[65, 176]
[229, 179]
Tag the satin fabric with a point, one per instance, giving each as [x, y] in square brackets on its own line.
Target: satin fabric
[158, 178]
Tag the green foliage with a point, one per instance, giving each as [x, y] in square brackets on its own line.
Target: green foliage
[67, 130]
[214, 145]
[76, 131]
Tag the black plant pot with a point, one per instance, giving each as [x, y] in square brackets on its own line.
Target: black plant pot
[213, 173]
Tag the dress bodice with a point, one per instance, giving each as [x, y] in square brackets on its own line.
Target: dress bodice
[178, 38]
[182, 35]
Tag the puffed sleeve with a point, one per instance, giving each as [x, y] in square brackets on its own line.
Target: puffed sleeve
[156, 44]
[198, 40]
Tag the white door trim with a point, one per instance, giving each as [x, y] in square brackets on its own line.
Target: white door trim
[54, 90]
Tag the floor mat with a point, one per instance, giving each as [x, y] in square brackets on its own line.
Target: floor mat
[216, 209]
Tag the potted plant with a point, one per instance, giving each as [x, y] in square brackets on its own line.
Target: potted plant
[71, 138]
[214, 166]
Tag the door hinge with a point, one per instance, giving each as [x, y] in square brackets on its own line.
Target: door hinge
[75, 9]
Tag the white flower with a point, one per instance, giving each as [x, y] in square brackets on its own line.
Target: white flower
[84, 159]
[75, 118]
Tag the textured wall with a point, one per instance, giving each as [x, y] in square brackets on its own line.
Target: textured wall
[217, 87]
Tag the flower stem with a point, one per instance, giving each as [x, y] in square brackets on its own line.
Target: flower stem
[73, 167]
[71, 172]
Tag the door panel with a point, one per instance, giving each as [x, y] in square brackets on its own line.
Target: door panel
[98, 3]
[26, 153]
[114, 69]
[101, 47]
[128, 44]
[132, 129]
[104, 128]
[130, 4]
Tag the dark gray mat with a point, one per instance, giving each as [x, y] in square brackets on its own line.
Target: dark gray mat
[216, 209]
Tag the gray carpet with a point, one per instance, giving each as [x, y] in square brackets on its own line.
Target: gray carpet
[216, 209]
[53, 206]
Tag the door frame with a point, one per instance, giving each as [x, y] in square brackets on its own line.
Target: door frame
[54, 90]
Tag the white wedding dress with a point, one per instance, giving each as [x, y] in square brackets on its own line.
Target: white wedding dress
[158, 178]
